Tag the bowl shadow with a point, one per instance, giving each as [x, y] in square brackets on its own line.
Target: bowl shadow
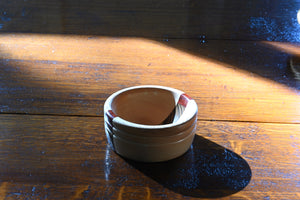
[207, 170]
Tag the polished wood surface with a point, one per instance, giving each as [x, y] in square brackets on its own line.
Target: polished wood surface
[53, 143]
[75, 74]
[60, 60]
[48, 157]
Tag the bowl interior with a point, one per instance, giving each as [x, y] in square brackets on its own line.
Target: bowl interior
[148, 106]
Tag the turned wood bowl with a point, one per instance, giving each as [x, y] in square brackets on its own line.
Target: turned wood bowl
[150, 123]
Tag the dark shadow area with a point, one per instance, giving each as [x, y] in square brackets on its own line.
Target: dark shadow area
[207, 170]
[254, 57]
[215, 19]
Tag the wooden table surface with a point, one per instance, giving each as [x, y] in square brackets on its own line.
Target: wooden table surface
[55, 80]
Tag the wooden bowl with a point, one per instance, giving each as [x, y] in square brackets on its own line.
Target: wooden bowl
[147, 116]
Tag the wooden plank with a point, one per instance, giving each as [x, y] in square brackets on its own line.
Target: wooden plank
[235, 20]
[73, 75]
[49, 157]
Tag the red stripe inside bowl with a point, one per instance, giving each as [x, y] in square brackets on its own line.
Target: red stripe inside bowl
[184, 99]
[111, 115]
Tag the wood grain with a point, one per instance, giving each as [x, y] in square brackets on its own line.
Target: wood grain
[73, 75]
[60, 60]
[49, 157]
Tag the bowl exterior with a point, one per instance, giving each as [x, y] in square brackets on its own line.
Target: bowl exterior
[152, 143]
[161, 131]
[152, 153]
[154, 138]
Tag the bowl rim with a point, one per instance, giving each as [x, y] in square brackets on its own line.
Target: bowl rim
[191, 108]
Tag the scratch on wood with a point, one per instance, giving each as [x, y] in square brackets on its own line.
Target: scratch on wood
[80, 191]
[3, 189]
[240, 196]
[122, 191]
[236, 146]
[148, 193]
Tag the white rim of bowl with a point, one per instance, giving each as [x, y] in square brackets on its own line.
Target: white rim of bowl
[190, 111]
